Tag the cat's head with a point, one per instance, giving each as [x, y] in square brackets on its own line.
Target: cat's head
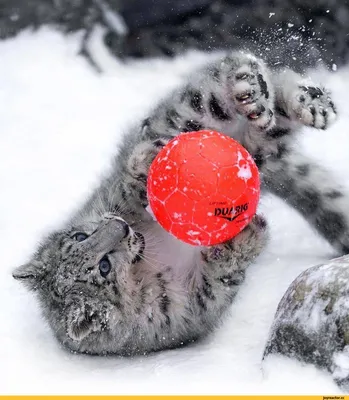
[79, 276]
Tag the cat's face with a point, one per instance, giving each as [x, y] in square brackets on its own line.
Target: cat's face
[79, 276]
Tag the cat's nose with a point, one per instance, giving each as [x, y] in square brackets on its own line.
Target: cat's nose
[118, 229]
[109, 235]
[125, 227]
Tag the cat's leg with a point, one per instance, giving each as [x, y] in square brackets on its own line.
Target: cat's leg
[311, 190]
[133, 185]
[224, 268]
[301, 100]
[216, 96]
[237, 84]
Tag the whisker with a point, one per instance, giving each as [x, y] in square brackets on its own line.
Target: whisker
[153, 240]
[145, 256]
[151, 264]
[153, 254]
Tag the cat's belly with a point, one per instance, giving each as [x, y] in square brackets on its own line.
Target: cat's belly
[163, 249]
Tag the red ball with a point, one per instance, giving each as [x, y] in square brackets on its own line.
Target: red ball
[203, 187]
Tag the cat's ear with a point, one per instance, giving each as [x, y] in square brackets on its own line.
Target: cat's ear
[30, 274]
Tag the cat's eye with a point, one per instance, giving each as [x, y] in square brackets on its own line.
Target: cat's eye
[104, 267]
[80, 236]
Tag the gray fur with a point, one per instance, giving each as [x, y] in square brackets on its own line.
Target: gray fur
[162, 293]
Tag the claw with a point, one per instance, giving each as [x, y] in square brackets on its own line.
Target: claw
[323, 111]
[244, 75]
[257, 114]
[245, 96]
[312, 109]
[254, 115]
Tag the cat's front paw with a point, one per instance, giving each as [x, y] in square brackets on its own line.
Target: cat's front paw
[313, 106]
[244, 247]
[252, 95]
[138, 166]
[84, 318]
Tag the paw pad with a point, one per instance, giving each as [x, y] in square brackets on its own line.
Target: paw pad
[313, 107]
[251, 95]
[256, 114]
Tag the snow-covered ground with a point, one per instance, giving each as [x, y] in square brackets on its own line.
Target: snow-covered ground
[60, 122]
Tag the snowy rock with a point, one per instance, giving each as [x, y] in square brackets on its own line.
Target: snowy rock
[312, 320]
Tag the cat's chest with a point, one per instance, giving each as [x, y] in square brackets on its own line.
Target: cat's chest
[235, 128]
[162, 249]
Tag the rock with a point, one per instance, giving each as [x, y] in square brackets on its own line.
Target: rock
[312, 320]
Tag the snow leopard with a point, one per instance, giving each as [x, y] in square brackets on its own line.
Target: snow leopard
[113, 281]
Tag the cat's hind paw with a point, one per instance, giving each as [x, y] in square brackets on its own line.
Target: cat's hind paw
[252, 96]
[244, 247]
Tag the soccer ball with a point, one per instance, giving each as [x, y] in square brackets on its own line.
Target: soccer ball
[203, 187]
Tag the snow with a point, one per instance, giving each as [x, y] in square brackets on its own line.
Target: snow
[193, 233]
[113, 19]
[60, 122]
[244, 172]
[341, 361]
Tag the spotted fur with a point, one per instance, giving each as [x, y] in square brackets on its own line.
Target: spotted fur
[115, 282]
